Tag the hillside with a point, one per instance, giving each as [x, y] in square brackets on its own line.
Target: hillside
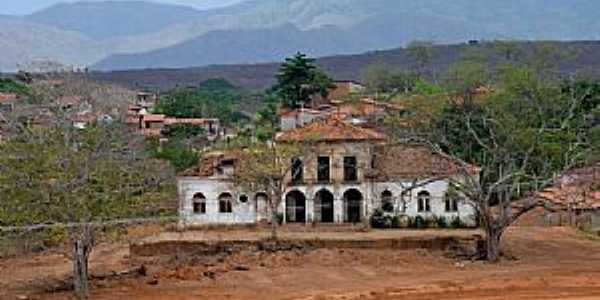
[136, 34]
[23, 42]
[104, 20]
[261, 76]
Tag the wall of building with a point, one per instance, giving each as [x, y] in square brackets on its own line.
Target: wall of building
[212, 189]
[256, 210]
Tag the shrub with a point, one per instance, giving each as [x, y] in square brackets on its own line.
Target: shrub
[431, 222]
[441, 222]
[404, 221]
[419, 222]
[456, 223]
[377, 219]
[396, 222]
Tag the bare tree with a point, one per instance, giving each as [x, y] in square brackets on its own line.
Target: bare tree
[270, 168]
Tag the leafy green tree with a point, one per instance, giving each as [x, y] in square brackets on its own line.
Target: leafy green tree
[215, 98]
[8, 85]
[299, 79]
[521, 137]
[178, 152]
[380, 78]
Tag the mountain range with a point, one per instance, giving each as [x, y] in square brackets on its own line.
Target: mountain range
[123, 35]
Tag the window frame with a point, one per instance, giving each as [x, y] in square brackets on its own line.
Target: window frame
[322, 170]
[424, 202]
[225, 203]
[350, 169]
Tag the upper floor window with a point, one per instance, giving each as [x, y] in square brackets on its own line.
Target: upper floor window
[387, 202]
[350, 169]
[323, 167]
[297, 170]
[424, 201]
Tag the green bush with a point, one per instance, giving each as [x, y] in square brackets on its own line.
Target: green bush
[396, 222]
[420, 222]
[431, 222]
[441, 222]
[456, 223]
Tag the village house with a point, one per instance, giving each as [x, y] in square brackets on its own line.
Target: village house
[574, 199]
[350, 175]
[365, 113]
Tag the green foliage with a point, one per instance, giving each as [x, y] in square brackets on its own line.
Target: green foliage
[184, 131]
[465, 76]
[180, 155]
[420, 222]
[65, 175]
[215, 98]
[379, 77]
[299, 79]
[266, 120]
[422, 87]
[8, 85]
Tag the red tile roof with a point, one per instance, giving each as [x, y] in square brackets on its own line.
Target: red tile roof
[331, 130]
[210, 162]
[397, 162]
[171, 121]
[578, 189]
[8, 97]
[153, 118]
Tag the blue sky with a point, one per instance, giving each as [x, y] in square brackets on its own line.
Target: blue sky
[21, 7]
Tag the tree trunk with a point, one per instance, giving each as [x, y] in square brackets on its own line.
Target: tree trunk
[81, 252]
[274, 223]
[493, 247]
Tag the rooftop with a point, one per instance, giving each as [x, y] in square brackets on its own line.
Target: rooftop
[414, 162]
[331, 130]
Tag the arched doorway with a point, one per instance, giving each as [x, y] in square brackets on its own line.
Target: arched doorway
[295, 207]
[352, 206]
[262, 207]
[324, 206]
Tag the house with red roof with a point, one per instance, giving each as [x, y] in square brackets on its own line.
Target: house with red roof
[352, 173]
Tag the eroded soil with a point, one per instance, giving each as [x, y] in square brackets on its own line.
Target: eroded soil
[542, 263]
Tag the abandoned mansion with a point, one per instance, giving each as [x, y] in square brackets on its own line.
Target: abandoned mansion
[353, 173]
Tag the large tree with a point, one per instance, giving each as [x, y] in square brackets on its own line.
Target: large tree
[78, 178]
[299, 79]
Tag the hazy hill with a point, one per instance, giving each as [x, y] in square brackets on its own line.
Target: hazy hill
[341, 67]
[104, 20]
[22, 42]
[140, 34]
[352, 26]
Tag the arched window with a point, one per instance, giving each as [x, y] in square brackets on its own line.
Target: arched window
[199, 204]
[225, 203]
[424, 199]
[451, 203]
[387, 201]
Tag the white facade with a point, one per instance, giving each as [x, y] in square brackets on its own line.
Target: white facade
[255, 208]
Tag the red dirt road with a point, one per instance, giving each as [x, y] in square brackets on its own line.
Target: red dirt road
[549, 263]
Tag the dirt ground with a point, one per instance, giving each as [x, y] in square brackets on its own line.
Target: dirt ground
[542, 263]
